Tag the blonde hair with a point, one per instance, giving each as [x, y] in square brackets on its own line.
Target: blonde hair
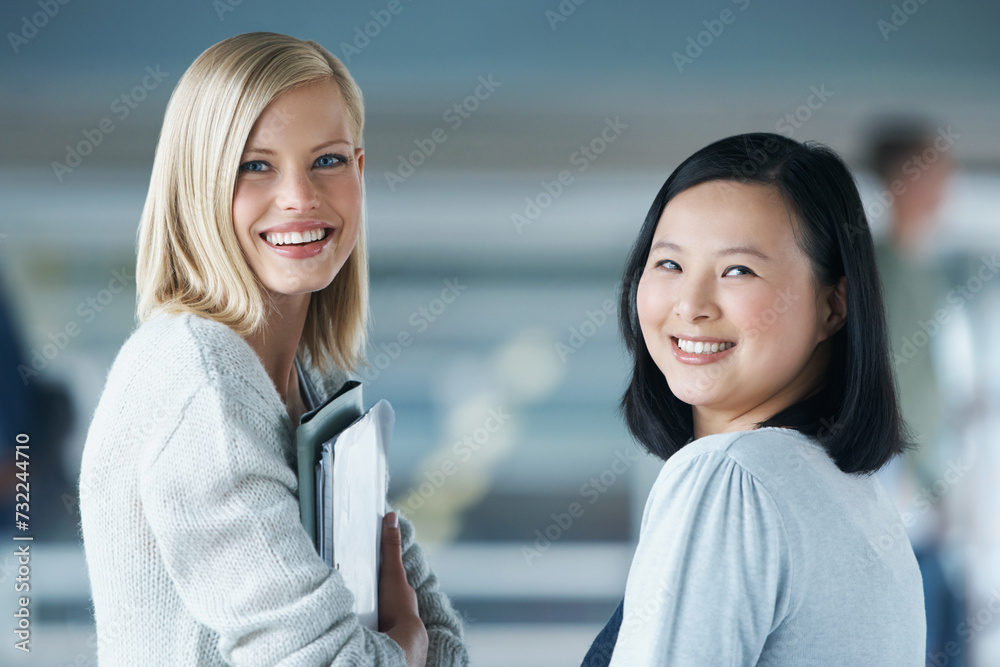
[189, 259]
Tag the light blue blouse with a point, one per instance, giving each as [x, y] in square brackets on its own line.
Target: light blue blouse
[756, 549]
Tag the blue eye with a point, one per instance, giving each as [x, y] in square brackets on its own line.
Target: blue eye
[330, 160]
[253, 166]
[663, 262]
[745, 270]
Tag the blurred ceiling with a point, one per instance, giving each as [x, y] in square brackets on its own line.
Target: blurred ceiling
[559, 73]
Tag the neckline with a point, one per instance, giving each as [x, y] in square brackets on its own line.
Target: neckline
[799, 435]
[307, 390]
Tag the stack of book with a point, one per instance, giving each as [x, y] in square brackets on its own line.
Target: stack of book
[343, 476]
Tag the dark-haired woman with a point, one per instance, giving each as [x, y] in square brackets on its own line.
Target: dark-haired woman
[751, 308]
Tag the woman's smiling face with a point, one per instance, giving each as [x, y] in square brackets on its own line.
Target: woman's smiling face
[297, 204]
[725, 273]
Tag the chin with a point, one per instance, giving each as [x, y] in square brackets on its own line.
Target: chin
[688, 391]
[691, 398]
[298, 288]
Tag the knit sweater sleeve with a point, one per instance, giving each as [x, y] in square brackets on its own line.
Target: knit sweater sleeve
[221, 504]
[710, 575]
[444, 628]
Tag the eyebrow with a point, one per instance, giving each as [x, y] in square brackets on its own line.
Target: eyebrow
[735, 250]
[267, 151]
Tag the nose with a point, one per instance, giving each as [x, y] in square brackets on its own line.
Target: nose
[696, 300]
[297, 192]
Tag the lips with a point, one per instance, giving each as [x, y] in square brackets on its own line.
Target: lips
[296, 238]
[293, 245]
[296, 233]
[724, 349]
[702, 344]
[299, 226]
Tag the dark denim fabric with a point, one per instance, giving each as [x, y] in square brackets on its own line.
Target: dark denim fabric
[600, 651]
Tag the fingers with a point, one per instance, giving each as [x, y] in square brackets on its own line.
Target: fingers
[392, 545]
[397, 601]
[398, 609]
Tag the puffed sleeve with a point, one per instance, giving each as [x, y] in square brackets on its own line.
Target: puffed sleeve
[709, 579]
[220, 500]
[445, 647]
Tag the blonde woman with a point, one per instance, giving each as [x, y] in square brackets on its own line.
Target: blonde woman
[252, 301]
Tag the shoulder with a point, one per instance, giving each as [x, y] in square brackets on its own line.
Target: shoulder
[183, 352]
[766, 454]
[773, 472]
[712, 523]
[762, 471]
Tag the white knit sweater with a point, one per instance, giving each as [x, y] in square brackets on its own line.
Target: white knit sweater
[191, 525]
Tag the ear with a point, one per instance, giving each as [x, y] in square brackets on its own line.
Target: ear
[833, 308]
[359, 156]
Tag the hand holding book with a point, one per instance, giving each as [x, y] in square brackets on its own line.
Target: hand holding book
[398, 615]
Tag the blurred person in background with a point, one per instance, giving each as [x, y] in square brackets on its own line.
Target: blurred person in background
[17, 400]
[912, 161]
[41, 410]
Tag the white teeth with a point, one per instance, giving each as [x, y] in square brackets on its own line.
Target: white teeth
[292, 238]
[692, 347]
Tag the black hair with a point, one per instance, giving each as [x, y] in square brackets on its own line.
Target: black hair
[854, 413]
